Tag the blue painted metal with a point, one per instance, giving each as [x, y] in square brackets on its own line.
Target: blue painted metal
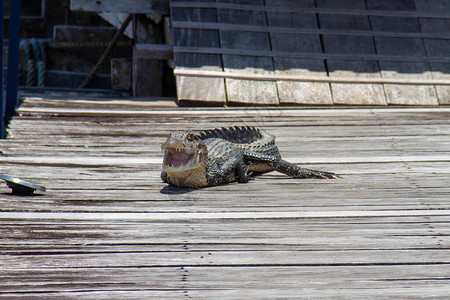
[2, 98]
[12, 83]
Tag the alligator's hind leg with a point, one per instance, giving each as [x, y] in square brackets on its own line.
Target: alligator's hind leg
[285, 167]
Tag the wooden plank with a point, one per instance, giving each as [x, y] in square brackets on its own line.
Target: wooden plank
[182, 291]
[116, 20]
[205, 282]
[183, 216]
[436, 47]
[232, 258]
[80, 34]
[204, 236]
[57, 78]
[418, 95]
[266, 53]
[147, 74]
[372, 94]
[355, 80]
[168, 38]
[246, 91]
[36, 105]
[208, 90]
[282, 28]
[132, 6]
[153, 51]
[237, 276]
[298, 92]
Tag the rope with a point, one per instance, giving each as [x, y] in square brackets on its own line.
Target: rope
[35, 57]
[30, 65]
[39, 54]
[36, 49]
[42, 73]
[31, 72]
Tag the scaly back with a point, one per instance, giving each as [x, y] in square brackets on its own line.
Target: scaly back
[246, 137]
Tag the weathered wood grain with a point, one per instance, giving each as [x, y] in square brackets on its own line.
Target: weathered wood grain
[438, 13]
[282, 28]
[108, 228]
[375, 52]
[436, 47]
[147, 73]
[424, 95]
[298, 92]
[365, 94]
[153, 51]
[208, 90]
[247, 91]
[203, 281]
[83, 34]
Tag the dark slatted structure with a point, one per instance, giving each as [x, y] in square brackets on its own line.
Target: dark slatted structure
[108, 228]
[363, 52]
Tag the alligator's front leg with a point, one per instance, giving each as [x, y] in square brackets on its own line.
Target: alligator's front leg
[164, 176]
[242, 174]
[234, 169]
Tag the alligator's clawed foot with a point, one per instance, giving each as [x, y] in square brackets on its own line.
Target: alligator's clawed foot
[327, 175]
[306, 173]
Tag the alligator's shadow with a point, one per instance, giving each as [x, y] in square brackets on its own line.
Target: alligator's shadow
[174, 190]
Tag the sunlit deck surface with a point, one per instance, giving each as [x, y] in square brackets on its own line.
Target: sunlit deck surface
[108, 228]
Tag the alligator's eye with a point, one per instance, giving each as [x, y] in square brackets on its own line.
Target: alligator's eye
[190, 136]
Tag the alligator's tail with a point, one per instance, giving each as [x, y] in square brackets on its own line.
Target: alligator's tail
[286, 167]
[298, 172]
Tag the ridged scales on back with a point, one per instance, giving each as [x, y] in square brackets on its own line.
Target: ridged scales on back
[212, 157]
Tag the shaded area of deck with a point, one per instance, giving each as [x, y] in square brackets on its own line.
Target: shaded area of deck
[108, 228]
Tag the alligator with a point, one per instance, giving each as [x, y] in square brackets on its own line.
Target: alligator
[212, 157]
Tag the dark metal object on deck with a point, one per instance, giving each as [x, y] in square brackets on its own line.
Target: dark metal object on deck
[21, 187]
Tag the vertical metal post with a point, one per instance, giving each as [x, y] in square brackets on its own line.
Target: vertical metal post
[13, 60]
[2, 99]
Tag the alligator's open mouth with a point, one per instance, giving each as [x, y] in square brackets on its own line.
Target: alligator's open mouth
[180, 158]
[176, 158]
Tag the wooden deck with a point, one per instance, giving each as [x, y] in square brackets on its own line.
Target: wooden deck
[108, 228]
